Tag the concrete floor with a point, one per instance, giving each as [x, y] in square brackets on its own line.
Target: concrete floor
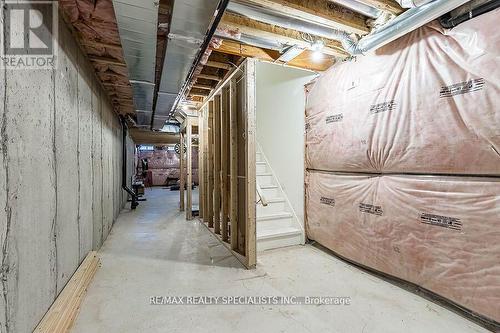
[154, 251]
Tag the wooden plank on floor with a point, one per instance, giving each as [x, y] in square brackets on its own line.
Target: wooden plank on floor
[64, 310]
[216, 136]
[233, 153]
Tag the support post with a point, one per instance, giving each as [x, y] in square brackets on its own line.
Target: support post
[189, 203]
[182, 172]
[210, 165]
[233, 152]
[224, 156]
[217, 142]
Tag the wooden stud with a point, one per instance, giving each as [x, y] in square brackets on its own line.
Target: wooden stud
[182, 173]
[250, 234]
[233, 153]
[210, 164]
[200, 166]
[205, 164]
[224, 162]
[189, 139]
[217, 142]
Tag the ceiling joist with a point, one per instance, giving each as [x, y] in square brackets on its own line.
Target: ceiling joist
[323, 12]
[389, 6]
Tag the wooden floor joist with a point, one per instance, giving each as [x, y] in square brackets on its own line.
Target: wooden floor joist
[64, 310]
[323, 12]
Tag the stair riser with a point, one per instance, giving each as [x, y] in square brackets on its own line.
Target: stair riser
[261, 168]
[271, 192]
[258, 157]
[275, 223]
[277, 242]
[271, 208]
[265, 180]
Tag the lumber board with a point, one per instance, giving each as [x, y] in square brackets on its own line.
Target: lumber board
[61, 315]
[224, 162]
[250, 232]
[182, 173]
[189, 171]
[217, 161]
[233, 152]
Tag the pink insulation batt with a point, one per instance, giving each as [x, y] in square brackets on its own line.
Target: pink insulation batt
[426, 103]
[403, 160]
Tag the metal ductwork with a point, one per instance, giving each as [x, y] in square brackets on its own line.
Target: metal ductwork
[359, 7]
[265, 43]
[406, 22]
[401, 25]
[270, 16]
[137, 24]
[191, 20]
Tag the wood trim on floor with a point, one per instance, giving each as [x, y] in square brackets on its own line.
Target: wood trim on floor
[63, 312]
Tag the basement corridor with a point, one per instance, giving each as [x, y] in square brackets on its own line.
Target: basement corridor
[154, 251]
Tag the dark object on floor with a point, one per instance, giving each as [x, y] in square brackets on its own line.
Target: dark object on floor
[177, 187]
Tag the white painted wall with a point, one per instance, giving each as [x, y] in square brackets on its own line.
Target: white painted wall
[280, 126]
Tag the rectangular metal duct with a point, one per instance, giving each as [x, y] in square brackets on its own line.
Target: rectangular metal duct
[191, 20]
[137, 24]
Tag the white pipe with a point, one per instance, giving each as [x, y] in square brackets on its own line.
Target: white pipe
[412, 3]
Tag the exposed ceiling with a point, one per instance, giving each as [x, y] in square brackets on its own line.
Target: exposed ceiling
[185, 48]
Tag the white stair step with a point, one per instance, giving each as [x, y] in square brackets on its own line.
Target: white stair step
[261, 167]
[277, 232]
[270, 191]
[258, 157]
[274, 205]
[271, 239]
[265, 179]
[275, 216]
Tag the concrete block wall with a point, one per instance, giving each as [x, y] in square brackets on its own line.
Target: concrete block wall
[60, 180]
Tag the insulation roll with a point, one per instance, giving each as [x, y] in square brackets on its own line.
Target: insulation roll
[441, 233]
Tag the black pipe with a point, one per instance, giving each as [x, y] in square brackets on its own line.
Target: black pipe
[221, 8]
[134, 202]
[448, 22]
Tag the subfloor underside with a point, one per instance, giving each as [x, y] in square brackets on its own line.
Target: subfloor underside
[154, 251]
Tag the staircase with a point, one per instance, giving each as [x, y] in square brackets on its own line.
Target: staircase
[277, 224]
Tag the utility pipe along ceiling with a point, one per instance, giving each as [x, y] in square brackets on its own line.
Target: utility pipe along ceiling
[194, 23]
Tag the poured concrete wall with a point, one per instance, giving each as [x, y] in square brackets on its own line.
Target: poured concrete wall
[60, 180]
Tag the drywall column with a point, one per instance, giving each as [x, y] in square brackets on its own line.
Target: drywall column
[51, 176]
[182, 172]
